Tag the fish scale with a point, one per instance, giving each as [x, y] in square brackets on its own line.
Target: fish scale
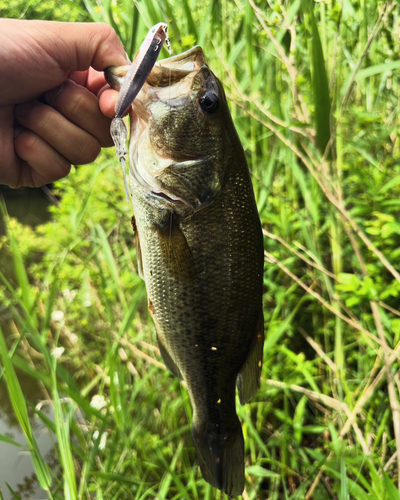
[192, 319]
[201, 250]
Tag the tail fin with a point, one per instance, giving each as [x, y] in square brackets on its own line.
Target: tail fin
[221, 457]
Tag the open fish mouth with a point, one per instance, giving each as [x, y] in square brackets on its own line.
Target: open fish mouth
[173, 69]
[165, 72]
[169, 97]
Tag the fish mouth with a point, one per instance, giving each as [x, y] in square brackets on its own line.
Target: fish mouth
[173, 69]
[172, 84]
[165, 73]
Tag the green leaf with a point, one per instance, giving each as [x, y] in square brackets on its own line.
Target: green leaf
[248, 28]
[348, 282]
[298, 418]
[19, 267]
[191, 24]
[364, 153]
[8, 440]
[391, 492]
[355, 489]
[377, 483]
[390, 185]
[272, 335]
[13, 493]
[379, 68]
[62, 422]
[171, 469]
[114, 477]
[20, 410]
[321, 96]
[352, 301]
[258, 471]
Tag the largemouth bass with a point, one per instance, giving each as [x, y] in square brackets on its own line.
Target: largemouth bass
[200, 251]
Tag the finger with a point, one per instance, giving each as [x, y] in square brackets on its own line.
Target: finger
[88, 44]
[95, 81]
[10, 164]
[42, 164]
[91, 79]
[79, 77]
[72, 142]
[108, 100]
[48, 51]
[78, 105]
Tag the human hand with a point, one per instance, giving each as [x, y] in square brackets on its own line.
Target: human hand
[61, 64]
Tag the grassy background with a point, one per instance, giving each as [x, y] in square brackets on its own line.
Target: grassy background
[314, 92]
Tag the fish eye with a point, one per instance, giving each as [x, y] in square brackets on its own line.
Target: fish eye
[209, 102]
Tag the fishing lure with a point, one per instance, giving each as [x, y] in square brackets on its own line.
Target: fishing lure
[135, 79]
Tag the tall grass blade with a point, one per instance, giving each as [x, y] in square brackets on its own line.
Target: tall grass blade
[13, 493]
[19, 268]
[63, 436]
[391, 492]
[171, 469]
[376, 70]
[19, 405]
[322, 101]
[192, 28]
[8, 440]
[114, 477]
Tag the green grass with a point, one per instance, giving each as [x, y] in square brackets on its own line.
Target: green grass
[314, 91]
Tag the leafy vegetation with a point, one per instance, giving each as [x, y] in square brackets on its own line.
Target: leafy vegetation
[46, 10]
[314, 91]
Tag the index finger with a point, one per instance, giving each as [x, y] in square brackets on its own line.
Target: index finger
[91, 79]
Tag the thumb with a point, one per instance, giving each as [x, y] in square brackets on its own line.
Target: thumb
[37, 56]
[77, 46]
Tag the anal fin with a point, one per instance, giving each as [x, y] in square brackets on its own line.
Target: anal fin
[248, 379]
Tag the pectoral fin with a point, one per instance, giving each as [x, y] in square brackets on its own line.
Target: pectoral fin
[195, 181]
[248, 379]
[176, 253]
[169, 362]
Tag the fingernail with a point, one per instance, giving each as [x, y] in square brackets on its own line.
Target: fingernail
[51, 95]
[23, 110]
